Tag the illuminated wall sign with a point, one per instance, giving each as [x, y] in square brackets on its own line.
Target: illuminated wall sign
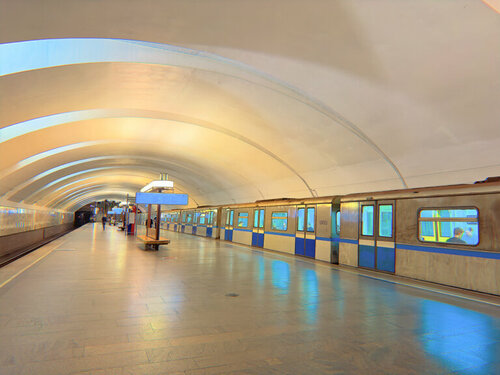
[160, 198]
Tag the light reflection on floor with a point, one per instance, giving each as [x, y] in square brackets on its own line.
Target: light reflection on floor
[290, 316]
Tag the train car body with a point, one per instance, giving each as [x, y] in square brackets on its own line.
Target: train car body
[448, 235]
[306, 227]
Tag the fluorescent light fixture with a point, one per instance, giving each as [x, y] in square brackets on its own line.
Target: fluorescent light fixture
[158, 185]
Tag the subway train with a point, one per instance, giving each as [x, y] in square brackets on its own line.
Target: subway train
[448, 235]
[23, 229]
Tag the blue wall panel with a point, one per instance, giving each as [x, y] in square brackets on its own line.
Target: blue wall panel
[310, 248]
[260, 242]
[386, 259]
[299, 246]
[366, 256]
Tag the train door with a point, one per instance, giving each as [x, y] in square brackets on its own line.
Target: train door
[195, 221]
[228, 233]
[210, 224]
[377, 248]
[258, 228]
[183, 223]
[305, 236]
[334, 258]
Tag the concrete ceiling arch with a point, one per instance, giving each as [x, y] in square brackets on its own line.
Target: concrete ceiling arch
[320, 98]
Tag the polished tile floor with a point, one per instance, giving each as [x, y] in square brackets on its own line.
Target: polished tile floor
[97, 303]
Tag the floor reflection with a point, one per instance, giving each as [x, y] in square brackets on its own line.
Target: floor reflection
[458, 337]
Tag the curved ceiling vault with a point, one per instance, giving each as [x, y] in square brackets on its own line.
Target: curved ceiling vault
[260, 100]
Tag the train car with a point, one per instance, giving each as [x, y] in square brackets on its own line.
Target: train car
[306, 227]
[206, 222]
[448, 235]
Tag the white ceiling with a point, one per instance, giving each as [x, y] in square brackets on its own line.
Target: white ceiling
[245, 100]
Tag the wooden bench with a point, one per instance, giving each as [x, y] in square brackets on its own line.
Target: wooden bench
[153, 244]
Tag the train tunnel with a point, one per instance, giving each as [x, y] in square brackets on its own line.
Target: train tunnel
[241, 102]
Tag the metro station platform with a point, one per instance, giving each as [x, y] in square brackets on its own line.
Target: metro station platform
[95, 302]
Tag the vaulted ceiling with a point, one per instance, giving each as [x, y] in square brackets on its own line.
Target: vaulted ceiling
[245, 100]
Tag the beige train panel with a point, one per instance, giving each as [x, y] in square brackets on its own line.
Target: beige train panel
[284, 244]
[489, 218]
[473, 273]
[366, 242]
[222, 233]
[323, 250]
[433, 191]
[349, 218]
[284, 202]
[348, 254]
[201, 231]
[386, 244]
[215, 233]
[239, 211]
[242, 237]
[324, 220]
[291, 214]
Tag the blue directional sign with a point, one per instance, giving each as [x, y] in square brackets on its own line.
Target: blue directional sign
[161, 198]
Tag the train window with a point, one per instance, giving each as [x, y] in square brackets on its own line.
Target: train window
[449, 225]
[202, 218]
[310, 219]
[337, 218]
[385, 220]
[231, 217]
[227, 217]
[261, 222]
[300, 219]
[189, 218]
[367, 221]
[256, 219]
[243, 220]
[279, 221]
[183, 217]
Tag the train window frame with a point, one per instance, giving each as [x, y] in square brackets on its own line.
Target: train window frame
[298, 228]
[379, 221]
[242, 216]
[420, 209]
[373, 205]
[282, 213]
[307, 222]
[262, 217]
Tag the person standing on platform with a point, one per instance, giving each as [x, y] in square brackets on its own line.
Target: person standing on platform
[104, 219]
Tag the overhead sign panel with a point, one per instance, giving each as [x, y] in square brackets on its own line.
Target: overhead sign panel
[160, 198]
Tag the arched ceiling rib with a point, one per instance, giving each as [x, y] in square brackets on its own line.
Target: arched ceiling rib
[53, 53]
[364, 96]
